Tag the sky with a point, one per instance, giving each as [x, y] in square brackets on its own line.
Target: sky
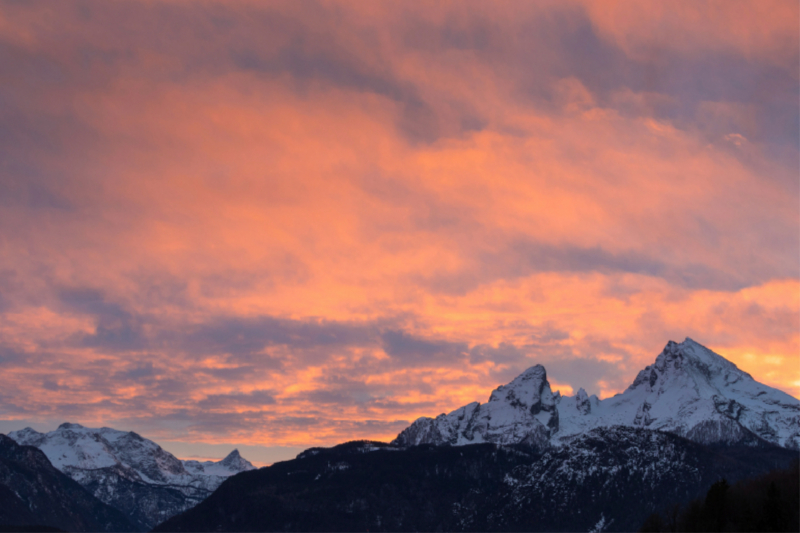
[277, 225]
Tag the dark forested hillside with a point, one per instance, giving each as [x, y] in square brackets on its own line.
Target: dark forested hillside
[617, 476]
[356, 487]
[769, 502]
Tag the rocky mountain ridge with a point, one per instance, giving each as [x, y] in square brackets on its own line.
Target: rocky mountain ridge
[129, 472]
[34, 493]
[689, 391]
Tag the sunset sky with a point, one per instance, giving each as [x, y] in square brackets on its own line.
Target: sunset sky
[277, 225]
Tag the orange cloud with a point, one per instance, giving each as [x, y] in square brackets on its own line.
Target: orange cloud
[249, 224]
[761, 31]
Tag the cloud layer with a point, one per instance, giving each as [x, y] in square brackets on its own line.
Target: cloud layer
[289, 224]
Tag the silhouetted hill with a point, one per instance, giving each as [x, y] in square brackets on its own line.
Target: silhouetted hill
[769, 502]
[615, 475]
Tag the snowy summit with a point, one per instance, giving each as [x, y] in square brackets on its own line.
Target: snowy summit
[127, 471]
[73, 448]
[689, 390]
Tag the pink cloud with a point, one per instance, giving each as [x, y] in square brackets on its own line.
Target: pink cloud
[224, 217]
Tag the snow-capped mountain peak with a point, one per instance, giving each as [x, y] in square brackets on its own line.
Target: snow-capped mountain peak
[689, 390]
[530, 390]
[523, 410]
[582, 402]
[106, 460]
[235, 462]
[698, 361]
[74, 447]
[692, 391]
[232, 464]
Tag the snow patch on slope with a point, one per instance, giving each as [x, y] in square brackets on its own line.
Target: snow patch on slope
[522, 411]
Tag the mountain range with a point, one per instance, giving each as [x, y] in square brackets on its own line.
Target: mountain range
[527, 459]
[129, 472]
[689, 391]
[530, 459]
[34, 493]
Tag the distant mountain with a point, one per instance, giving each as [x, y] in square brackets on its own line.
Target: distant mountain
[615, 476]
[130, 472]
[689, 391]
[219, 470]
[34, 493]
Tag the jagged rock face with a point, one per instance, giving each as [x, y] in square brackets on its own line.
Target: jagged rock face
[582, 402]
[689, 390]
[522, 411]
[33, 492]
[130, 472]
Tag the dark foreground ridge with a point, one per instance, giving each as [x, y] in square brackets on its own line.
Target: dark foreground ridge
[770, 502]
[615, 476]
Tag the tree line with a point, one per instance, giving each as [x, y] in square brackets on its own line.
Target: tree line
[770, 502]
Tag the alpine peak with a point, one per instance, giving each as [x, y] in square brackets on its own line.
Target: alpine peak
[688, 390]
[235, 462]
[105, 459]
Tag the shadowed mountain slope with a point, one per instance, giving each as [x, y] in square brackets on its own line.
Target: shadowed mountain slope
[619, 475]
[33, 492]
